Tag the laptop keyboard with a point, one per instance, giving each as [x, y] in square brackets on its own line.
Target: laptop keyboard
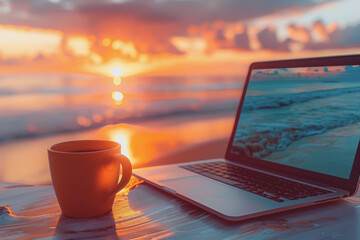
[268, 186]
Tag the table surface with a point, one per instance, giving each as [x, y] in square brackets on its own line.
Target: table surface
[142, 212]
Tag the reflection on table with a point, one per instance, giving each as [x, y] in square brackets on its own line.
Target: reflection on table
[141, 211]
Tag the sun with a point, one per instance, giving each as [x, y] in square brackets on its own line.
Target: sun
[117, 71]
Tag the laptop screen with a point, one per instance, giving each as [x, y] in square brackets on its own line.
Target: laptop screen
[308, 118]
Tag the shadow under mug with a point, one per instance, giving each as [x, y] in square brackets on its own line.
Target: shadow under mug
[85, 175]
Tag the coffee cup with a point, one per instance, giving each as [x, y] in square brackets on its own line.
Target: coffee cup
[85, 175]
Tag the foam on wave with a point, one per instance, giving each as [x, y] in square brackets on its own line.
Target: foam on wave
[261, 140]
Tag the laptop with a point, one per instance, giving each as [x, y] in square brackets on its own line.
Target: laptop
[295, 143]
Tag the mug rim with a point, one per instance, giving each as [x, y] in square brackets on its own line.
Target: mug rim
[50, 149]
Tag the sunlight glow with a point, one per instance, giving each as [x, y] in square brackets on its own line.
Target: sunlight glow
[117, 71]
[126, 48]
[79, 46]
[20, 42]
[117, 96]
[122, 140]
[106, 42]
[97, 118]
[117, 81]
[83, 121]
[189, 44]
[31, 128]
[96, 58]
[122, 134]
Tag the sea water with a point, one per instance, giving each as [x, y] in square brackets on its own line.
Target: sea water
[314, 125]
[34, 105]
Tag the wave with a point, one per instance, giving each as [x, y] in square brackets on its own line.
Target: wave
[63, 121]
[263, 139]
[282, 100]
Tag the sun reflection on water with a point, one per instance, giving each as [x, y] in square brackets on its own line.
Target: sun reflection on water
[122, 140]
[117, 96]
[117, 81]
[122, 137]
[83, 121]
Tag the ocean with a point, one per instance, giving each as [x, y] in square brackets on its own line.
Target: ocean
[310, 124]
[40, 104]
[314, 125]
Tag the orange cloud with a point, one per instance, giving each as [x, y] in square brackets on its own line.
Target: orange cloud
[320, 31]
[189, 45]
[80, 46]
[316, 71]
[125, 48]
[19, 42]
[155, 37]
[299, 33]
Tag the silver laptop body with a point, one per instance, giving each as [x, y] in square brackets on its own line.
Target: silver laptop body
[297, 121]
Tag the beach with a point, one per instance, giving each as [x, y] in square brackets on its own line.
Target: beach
[302, 120]
[157, 120]
[307, 123]
[154, 142]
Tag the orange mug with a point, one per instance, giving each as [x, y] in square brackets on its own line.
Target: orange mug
[85, 175]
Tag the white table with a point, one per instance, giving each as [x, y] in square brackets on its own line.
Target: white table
[143, 212]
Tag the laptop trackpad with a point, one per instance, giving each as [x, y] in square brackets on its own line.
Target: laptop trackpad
[196, 185]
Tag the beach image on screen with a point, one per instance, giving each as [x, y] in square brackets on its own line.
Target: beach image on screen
[307, 118]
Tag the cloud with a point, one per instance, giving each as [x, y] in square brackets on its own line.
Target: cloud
[347, 37]
[299, 33]
[220, 35]
[190, 11]
[268, 40]
[309, 73]
[149, 24]
[10, 61]
[128, 30]
[320, 30]
[353, 69]
[242, 41]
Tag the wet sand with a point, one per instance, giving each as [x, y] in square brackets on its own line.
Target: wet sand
[156, 142]
[332, 152]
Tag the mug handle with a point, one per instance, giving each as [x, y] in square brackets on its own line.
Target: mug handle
[126, 171]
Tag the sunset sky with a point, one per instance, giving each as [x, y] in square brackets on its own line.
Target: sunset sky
[335, 73]
[170, 37]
